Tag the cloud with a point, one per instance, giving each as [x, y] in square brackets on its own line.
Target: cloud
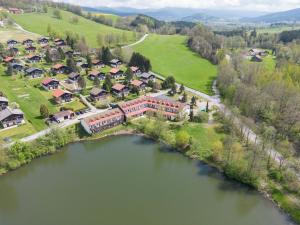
[261, 5]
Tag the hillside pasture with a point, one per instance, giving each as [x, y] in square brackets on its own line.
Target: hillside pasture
[170, 55]
[39, 22]
[13, 33]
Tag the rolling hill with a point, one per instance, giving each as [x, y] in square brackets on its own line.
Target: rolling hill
[285, 16]
[38, 23]
[169, 55]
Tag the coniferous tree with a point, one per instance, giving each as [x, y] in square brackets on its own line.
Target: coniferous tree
[61, 53]
[44, 111]
[71, 64]
[107, 83]
[89, 61]
[48, 57]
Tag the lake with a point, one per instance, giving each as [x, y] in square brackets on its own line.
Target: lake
[127, 180]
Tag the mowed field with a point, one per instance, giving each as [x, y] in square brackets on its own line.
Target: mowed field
[169, 55]
[38, 23]
[13, 33]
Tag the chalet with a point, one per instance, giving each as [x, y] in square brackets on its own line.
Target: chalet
[96, 94]
[63, 115]
[44, 46]
[34, 58]
[34, 72]
[116, 73]
[84, 65]
[61, 96]
[15, 11]
[140, 85]
[135, 70]
[9, 60]
[59, 68]
[94, 73]
[146, 77]
[69, 52]
[11, 117]
[120, 90]
[97, 63]
[30, 49]
[13, 50]
[27, 42]
[17, 67]
[256, 58]
[260, 52]
[50, 84]
[115, 63]
[59, 42]
[102, 121]
[3, 103]
[77, 54]
[43, 40]
[73, 77]
[11, 43]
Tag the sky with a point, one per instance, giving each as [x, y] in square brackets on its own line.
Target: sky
[256, 5]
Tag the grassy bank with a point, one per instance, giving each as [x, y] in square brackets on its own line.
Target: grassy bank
[39, 22]
[169, 55]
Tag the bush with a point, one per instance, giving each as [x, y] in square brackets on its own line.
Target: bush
[13, 164]
[201, 117]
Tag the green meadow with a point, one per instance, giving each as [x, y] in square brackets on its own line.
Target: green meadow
[38, 23]
[170, 55]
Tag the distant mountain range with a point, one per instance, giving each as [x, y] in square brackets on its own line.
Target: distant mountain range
[285, 16]
[181, 14]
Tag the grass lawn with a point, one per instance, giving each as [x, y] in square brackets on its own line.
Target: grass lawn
[278, 29]
[270, 62]
[203, 135]
[76, 105]
[113, 17]
[169, 55]
[12, 33]
[38, 23]
[17, 132]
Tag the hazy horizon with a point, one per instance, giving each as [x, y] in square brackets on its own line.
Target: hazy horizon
[248, 5]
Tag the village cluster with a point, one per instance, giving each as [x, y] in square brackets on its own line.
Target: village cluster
[27, 60]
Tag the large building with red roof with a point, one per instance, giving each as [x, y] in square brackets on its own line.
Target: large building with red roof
[169, 109]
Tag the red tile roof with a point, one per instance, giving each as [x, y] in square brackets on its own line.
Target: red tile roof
[94, 73]
[136, 83]
[47, 81]
[103, 116]
[114, 70]
[58, 93]
[134, 68]
[118, 87]
[8, 59]
[58, 66]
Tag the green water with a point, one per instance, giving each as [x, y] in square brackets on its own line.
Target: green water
[127, 181]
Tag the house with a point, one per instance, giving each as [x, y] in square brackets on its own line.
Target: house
[94, 73]
[69, 52]
[30, 49]
[59, 42]
[152, 105]
[140, 85]
[146, 77]
[9, 60]
[50, 84]
[97, 63]
[63, 115]
[73, 77]
[34, 72]
[120, 90]
[11, 43]
[3, 103]
[84, 65]
[260, 52]
[13, 50]
[135, 70]
[11, 117]
[15, 11]
[61, 96]
[27, 42]
[59, 68]
[43, 40]
[17, 67]
[105, 120]
[115, 63]
[116, 73]
[256, 58]
[96, 94]
[34, 58]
